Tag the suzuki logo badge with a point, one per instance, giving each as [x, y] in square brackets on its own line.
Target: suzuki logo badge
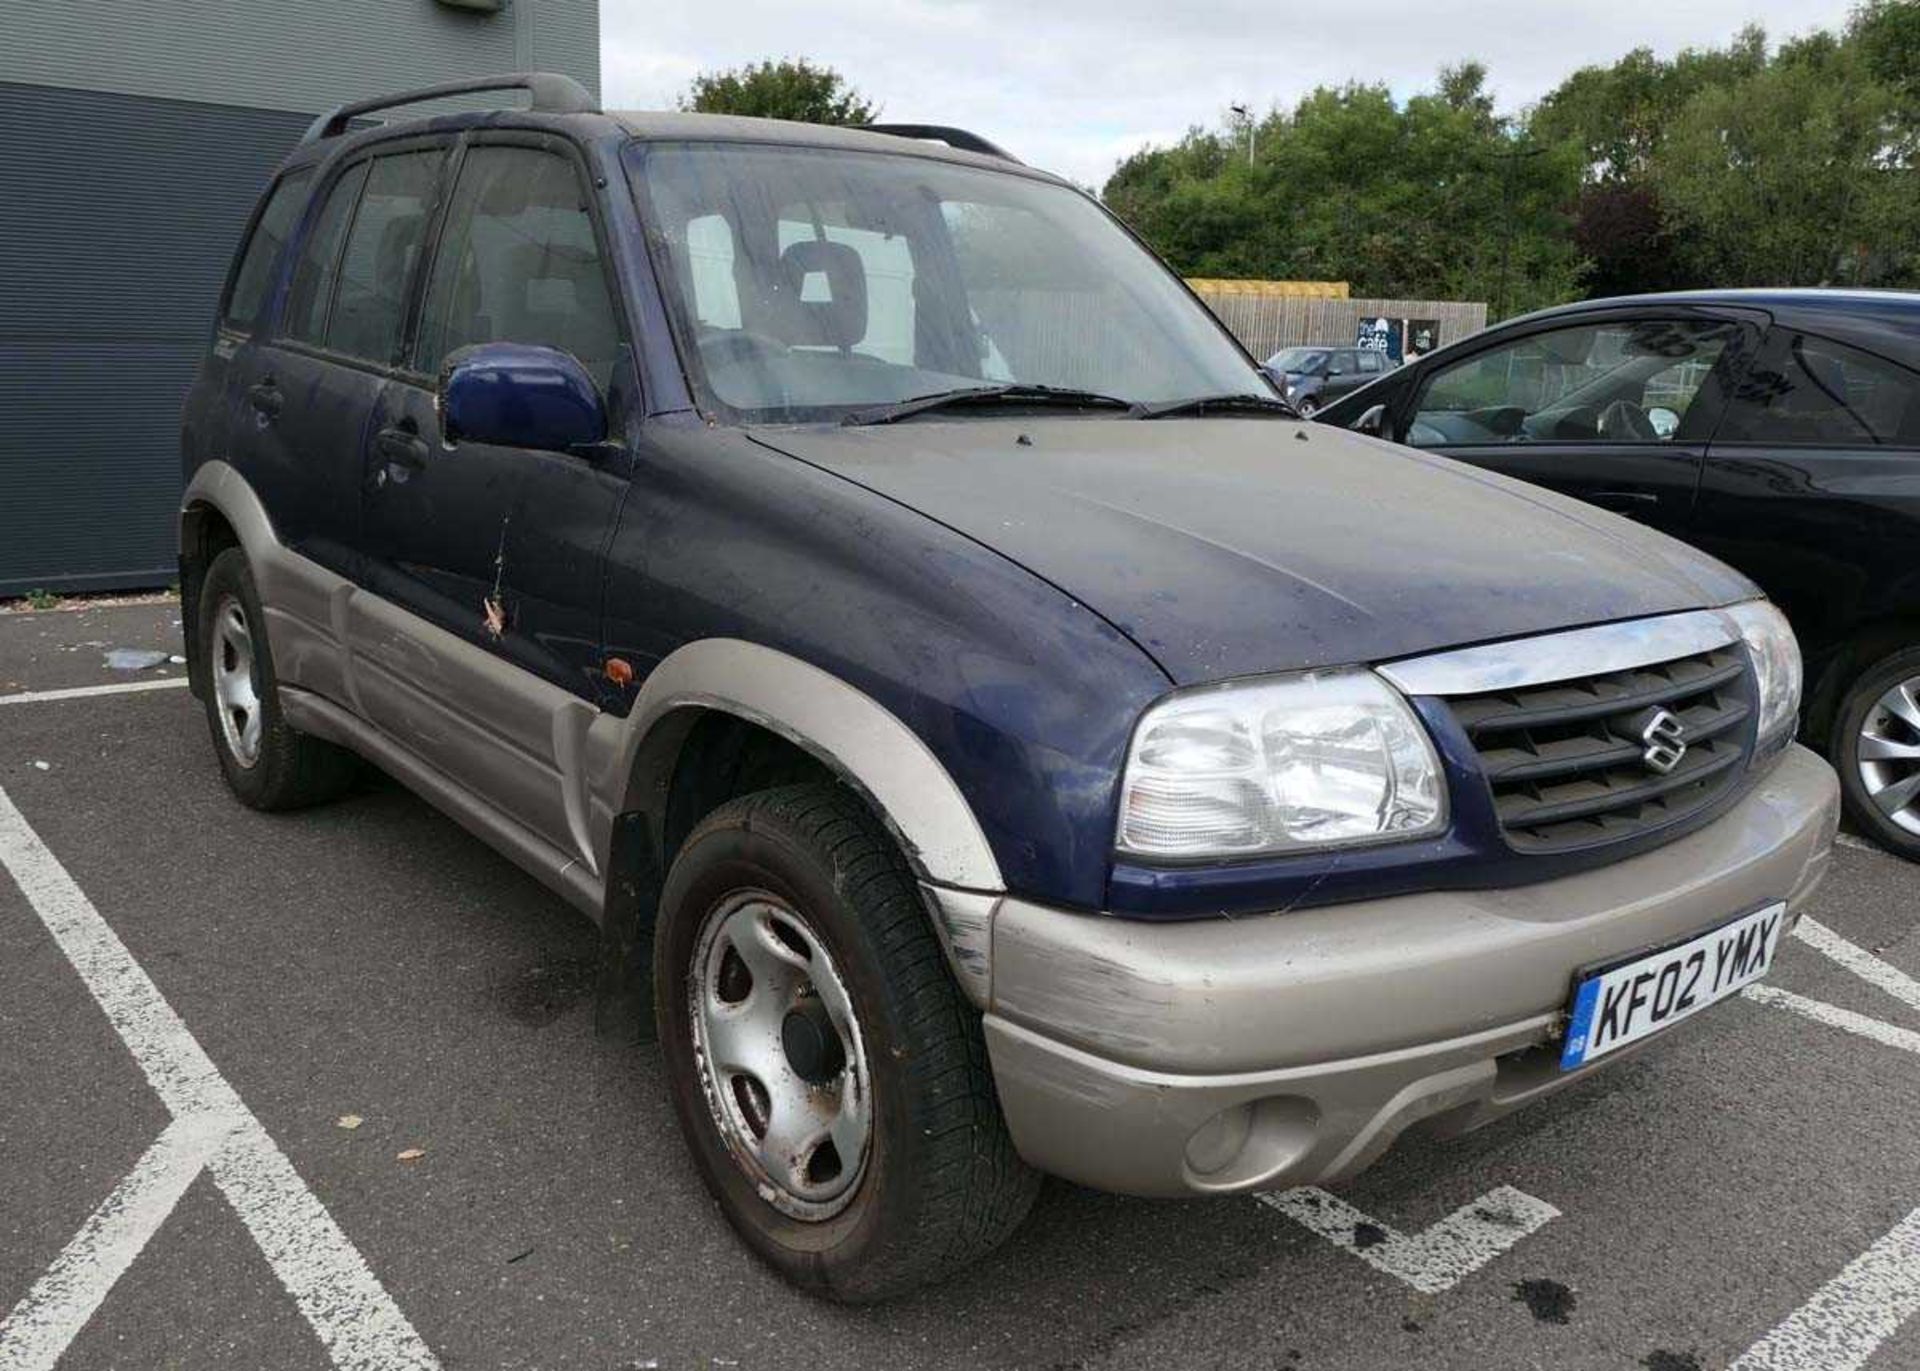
[1666, 744]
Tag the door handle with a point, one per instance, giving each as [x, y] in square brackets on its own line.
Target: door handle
[1624, 497]
[402, 448]
[266, 399]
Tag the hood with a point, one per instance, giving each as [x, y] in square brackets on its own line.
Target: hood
[1230, 547]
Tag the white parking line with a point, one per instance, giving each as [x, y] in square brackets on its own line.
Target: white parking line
[1431, 1261]
[30, 697]
[356, 1320]
[62, 1300]
[1835, 1017]
[1851, 1315]
[1860, 962]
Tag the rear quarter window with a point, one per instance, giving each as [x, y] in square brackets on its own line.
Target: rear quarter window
[1805, 391]
[313, 277]
[268, 234]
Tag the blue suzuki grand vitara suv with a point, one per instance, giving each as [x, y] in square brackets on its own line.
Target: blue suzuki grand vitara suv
[993, 734]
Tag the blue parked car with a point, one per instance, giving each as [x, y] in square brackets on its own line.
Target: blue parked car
[992, 733]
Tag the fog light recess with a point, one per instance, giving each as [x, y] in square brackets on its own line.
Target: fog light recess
[1247, 1144]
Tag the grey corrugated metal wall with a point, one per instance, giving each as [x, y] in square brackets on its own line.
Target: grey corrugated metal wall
[134, 138]
[288, 54]
[119, 217]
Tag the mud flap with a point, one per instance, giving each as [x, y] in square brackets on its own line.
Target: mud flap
[623, 987]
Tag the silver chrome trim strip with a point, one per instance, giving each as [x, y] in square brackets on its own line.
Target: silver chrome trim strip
[1562, 656]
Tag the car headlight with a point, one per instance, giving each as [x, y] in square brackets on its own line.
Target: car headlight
[1776, 666]
[1320, 759]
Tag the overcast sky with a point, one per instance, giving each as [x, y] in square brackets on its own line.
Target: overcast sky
[1075, 85]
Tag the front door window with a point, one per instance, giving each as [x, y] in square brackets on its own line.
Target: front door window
[1631, 381]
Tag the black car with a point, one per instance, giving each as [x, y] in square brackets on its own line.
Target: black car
[1314, 377]
[1777, 429]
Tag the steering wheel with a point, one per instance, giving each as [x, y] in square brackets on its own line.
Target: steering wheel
[1505, 421]
[1625, 422]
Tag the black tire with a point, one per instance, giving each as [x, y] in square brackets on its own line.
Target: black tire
[941, 1184]
[1307, 408]
[289, 769]
[1860, 710]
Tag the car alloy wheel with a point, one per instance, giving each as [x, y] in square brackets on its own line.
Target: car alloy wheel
[234, 683]
[781, 1058]
[1888, 754]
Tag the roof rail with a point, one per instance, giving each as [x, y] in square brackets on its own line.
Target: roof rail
[941, 133]
[551, 93]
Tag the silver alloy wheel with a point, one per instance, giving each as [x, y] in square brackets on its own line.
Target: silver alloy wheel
[780, 1055]
[1889, 754]
[234, 690]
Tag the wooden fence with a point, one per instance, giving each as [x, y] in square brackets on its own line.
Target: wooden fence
[1266, 322]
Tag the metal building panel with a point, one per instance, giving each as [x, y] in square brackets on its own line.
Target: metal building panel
[121, 217]
[287, 54]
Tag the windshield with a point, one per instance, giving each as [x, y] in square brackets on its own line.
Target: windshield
[1297, 359]
[813, 283]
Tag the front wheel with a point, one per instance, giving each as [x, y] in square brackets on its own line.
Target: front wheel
[829, 1076]
[1307, 408]
[1876, 750]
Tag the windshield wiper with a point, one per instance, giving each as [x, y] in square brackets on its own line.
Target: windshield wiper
[1216, 404]
[1013, 394]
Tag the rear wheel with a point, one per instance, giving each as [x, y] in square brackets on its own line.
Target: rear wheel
[1876, 749]
[829, 1076]
[268, 763]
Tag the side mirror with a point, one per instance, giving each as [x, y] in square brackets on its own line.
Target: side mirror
[1665, 422]
[1372, 422]
[520, 395]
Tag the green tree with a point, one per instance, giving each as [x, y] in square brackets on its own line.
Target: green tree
[1619, 115]
[1434, 198]
[1887, 35]
[1743, 164]
[792, 88]
[1793, 176]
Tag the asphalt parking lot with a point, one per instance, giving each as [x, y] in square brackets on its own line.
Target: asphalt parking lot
[1747, 1193]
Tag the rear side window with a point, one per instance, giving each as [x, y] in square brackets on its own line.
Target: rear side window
[262, 250]
[518, 263]
[319, 263]
[376, 266]
[1804, 391]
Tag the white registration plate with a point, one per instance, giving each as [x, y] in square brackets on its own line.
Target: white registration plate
[1625, 1003]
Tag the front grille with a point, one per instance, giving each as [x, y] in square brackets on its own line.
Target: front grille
[1567, 762]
